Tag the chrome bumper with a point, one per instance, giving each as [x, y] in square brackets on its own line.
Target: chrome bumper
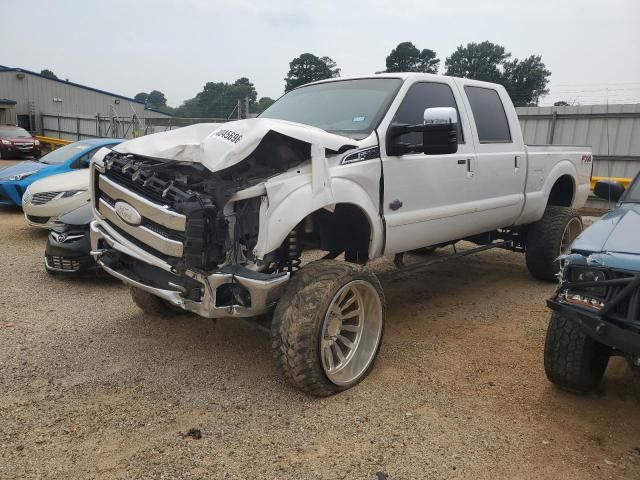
[264, 292]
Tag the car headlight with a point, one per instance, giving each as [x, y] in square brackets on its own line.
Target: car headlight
[6, 142]
[20, 176]
[71, 193]
[36, 142]
[579, 275]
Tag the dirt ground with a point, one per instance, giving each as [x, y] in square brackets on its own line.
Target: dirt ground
[90, 388]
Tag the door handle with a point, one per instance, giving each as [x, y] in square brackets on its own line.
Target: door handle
[395, 205]
[516, 161]
[470, 171]
[462, 161]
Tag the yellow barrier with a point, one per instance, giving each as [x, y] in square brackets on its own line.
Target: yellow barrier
[623, 181]
[54, 142]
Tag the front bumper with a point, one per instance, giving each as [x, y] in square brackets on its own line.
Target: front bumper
[599, 329]
[134, 266]
[10, 193]
[71, 255]
[41, 222]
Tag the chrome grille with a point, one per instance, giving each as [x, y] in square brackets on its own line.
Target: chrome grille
[161, 229]
[42, 198]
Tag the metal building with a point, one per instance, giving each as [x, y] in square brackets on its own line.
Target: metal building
[32, 100]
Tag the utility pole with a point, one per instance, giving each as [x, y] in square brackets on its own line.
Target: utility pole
[246, 107]
[239, 112]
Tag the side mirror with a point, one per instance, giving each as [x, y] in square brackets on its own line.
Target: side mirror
[608, 190]
[439, 133]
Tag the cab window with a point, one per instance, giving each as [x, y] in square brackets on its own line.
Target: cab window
[421, 96]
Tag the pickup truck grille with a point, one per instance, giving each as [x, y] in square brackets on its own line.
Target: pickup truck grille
[160, 230]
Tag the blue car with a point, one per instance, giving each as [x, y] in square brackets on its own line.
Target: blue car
[596, 308]
[15, 179]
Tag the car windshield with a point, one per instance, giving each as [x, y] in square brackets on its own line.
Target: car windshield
[62, 154]
[633, 193]
[348, 107]
[14, 132]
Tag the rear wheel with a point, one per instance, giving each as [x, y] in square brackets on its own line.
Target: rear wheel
[572, 360]
[550, 237]
[152, 305]
[327, 327]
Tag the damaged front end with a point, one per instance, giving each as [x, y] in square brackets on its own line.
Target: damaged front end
[187, 234]
[601, 293]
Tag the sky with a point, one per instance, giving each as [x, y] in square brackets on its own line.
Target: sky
[592, 47]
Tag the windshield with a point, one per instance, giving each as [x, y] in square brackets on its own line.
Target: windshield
[14, 132]
[633, 193]
[348, 107]
[63, 154]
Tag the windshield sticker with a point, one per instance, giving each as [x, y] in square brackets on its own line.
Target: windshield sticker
[358, 119]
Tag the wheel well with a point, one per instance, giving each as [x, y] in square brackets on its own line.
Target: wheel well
[346, 229]
[562, 192]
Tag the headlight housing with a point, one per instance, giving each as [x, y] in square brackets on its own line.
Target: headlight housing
[70, 193]
[20, 176]
[580, 275]
[36, 142]
[6, 142]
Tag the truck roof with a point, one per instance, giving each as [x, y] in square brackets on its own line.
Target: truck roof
[406, 75]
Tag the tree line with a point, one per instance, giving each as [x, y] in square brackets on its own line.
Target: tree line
[525, 79]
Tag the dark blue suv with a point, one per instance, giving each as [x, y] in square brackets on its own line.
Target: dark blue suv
[596, 308]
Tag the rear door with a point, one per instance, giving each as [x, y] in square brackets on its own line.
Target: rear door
[428, 199]
[500, 167]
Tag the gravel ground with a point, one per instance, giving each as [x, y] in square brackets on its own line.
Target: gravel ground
[90, 388]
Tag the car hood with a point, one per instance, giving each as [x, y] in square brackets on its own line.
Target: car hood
[20, 139]
[617, 231]
[220, 146]
[62, 182]
[21, 167]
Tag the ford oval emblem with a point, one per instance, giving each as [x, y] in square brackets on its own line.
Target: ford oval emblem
[127, 213]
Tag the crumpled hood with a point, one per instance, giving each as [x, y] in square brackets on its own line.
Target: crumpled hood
[617, 231]
[62, 182]
[22, 167]
[219, 146]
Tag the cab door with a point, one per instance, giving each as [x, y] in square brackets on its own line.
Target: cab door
[501, 168]
[428, 199]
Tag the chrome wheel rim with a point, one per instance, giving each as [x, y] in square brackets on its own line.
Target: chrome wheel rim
[351, 332]
[572, 229]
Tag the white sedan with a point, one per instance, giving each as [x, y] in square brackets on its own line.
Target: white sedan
[47, 199]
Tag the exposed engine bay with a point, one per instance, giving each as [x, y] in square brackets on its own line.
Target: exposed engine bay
[201, 195]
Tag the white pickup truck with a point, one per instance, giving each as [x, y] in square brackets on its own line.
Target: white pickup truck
[213, 219]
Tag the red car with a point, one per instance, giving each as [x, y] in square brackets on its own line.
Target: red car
[17, 142]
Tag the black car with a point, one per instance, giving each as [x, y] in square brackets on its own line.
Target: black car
[69, 246]
[596, 308]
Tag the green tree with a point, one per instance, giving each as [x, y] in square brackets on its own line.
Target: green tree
[264, 103]
[156, 99]
[220, 100]
[561, 103]
[480, 61]
[407, 58]
[48, 73]
[525, 80]
[309, 68]
[141, 97]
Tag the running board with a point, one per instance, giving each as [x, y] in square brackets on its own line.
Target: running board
[419, 265]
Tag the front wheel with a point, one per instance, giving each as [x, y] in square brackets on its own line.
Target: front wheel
[550, 237]
[327, 328]
[572, 360]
